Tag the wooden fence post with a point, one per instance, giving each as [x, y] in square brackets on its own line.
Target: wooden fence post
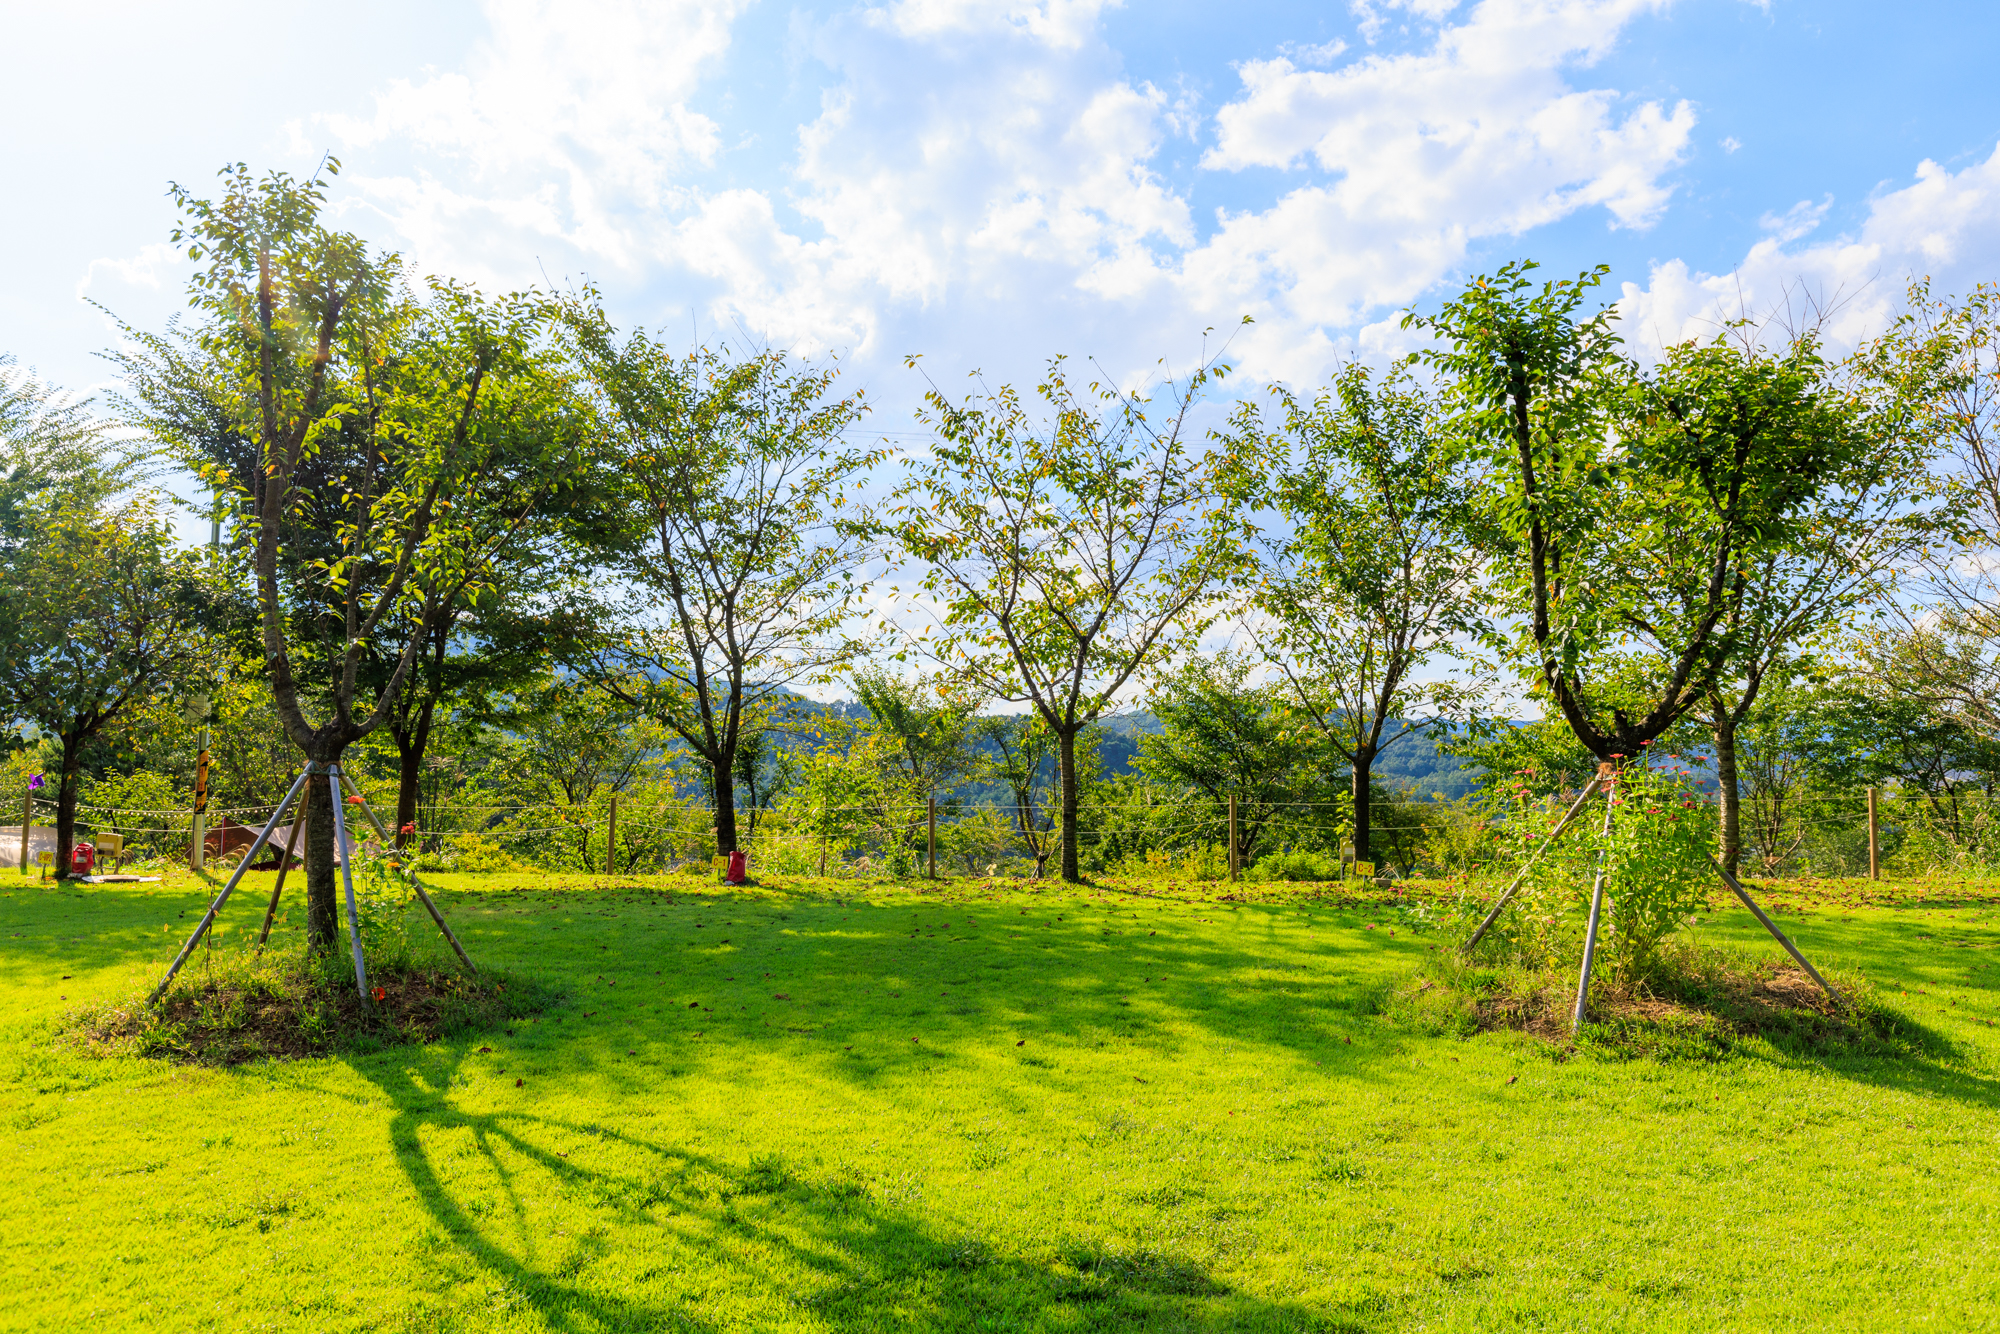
[27, 823]
[825, 818]
[933, 823]
[198, 853]
[611, 839]
[1232, 836]
[1874, 840]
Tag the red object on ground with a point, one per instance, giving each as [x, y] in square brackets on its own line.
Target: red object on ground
[82, 859]
[739, 869]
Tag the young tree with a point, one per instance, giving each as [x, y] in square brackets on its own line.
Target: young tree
[50, 446]
[1024, 761]
[1630, 504]
[1380, 568]
[1223, 737]
[349, 418]
[737, 546]
[1945, 654]
[102, 613]
[932, 726]
[1067, 555]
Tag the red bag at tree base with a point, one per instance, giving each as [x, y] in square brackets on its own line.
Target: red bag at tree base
[82, 859]
[739, 869]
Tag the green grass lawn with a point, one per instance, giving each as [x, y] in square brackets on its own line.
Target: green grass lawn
[828, 1106]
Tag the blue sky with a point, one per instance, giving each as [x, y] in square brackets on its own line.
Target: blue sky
[992, 183]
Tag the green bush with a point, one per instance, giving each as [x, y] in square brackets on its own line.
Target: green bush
[1293, 866]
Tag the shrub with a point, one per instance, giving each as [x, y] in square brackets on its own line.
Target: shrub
[1293, 866]
[482, 855]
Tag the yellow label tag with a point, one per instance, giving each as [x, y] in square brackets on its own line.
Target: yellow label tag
[45, 858]
[1364, 868]
[722, 863]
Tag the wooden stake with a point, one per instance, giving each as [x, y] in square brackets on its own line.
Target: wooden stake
[1232, 836]
[1874, 840]
[27, 823]
[611, 839]
[825, 819]
[198, 854]
[933, 820]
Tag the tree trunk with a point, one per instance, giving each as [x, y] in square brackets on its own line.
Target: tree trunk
[1727, 803]
[409, 772]
[322, 872]
[1066, 782]
[72, 766]
[1364, 770]
[725, 809]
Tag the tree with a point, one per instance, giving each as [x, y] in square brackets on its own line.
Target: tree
[348, 417]
[103, 613]
[736, 542]
[1065, 556]
[1379, 570]
[930, 723]
[1223, 737]
[1945, 355]
[50, 443]
[1630, 504]
[1024, 761]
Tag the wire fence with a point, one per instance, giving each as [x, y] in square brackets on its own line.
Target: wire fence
[1187, 832]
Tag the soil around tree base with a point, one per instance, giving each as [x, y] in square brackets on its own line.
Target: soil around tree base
[264, 1011]
[1694, 1003]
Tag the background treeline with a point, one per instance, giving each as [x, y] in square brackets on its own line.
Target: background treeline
[507, 562]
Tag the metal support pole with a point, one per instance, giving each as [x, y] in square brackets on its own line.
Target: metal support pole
[1772, 927]
[284, 865]
[208, 918]
[611, 839]
[1874, 840]
[1232, 836]
[1575, 809]
[415, 883]
[933, 822]
[344, 851]
[1596, 912]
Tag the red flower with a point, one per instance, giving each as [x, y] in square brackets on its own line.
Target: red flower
[354, 799]
[410, 828]
[379, 993]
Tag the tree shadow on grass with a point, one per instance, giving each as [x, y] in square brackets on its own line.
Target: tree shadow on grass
[762, 1244]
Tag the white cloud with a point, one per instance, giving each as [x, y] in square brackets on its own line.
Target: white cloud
[568, 114]
[985, 175]
[1944, 225]
[1481, 119]
[149, 269]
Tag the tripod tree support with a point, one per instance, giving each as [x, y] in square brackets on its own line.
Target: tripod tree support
[1780, 936]
[416, 884]
[1596, 915]
[345, 850]
[208, 918]
[1575, 809]
[284, 865]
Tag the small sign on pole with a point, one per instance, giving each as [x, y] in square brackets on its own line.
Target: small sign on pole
[1363, 870]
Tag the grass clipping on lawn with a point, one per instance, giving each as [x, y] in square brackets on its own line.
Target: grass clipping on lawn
[248, 1008]
[1693, 1001]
